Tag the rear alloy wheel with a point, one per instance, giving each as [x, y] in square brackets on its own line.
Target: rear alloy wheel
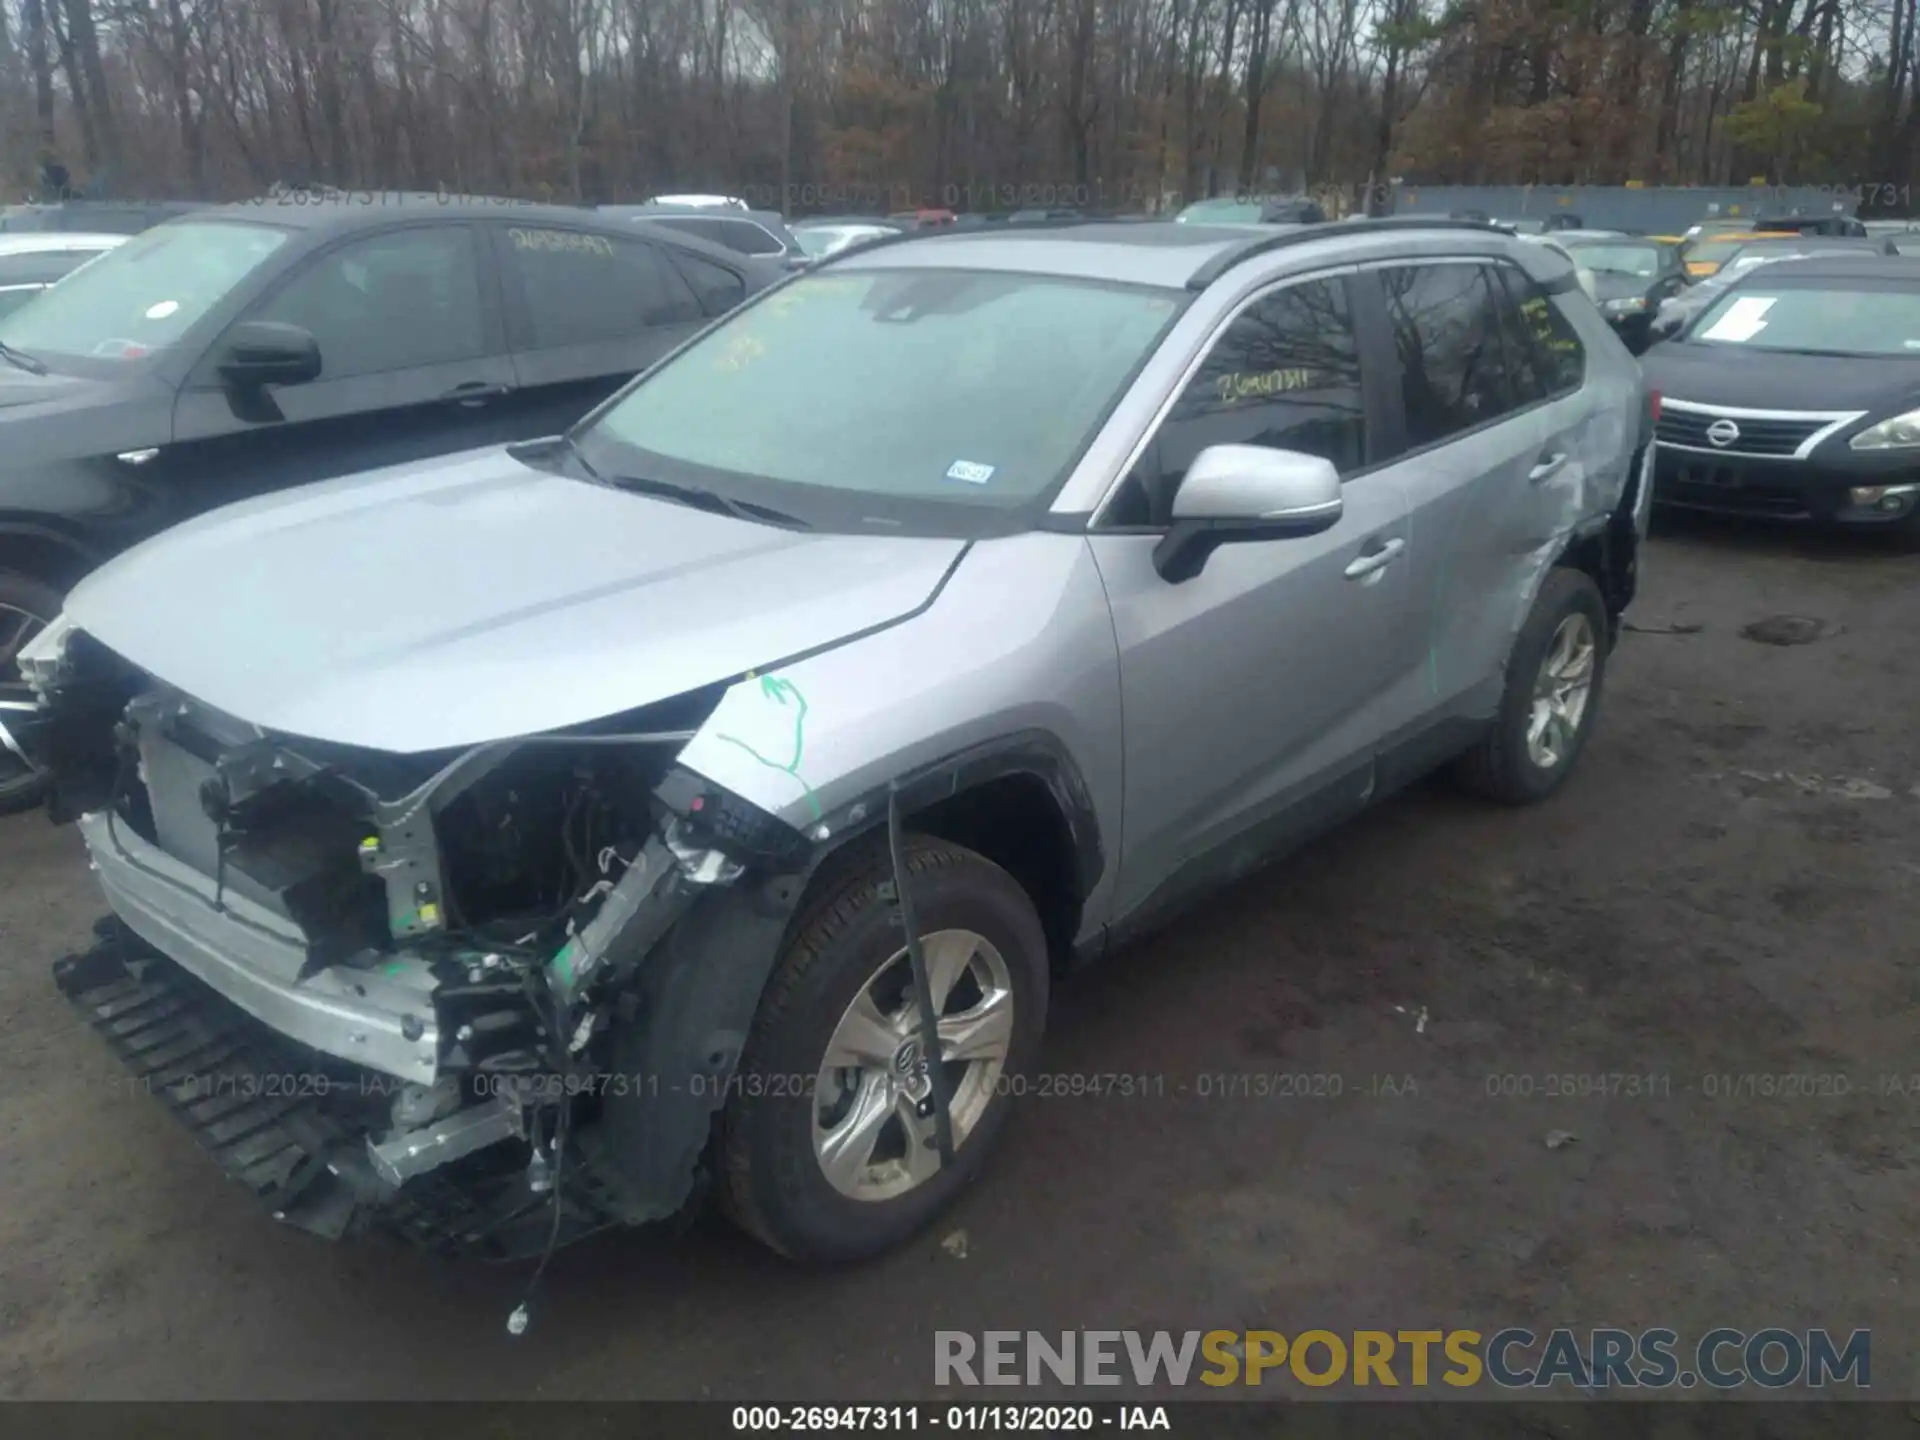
[828, 1141]
[1554, 678]
[26, 608]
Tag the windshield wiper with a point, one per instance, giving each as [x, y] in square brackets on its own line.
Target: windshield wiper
[20, 357]
[692, 495]
[709, 500]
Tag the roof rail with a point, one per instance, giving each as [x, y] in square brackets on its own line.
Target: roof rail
[1304, 234]
[1025, 227]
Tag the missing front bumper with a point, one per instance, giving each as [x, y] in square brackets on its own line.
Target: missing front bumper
[379, 1017]
[293, 1127]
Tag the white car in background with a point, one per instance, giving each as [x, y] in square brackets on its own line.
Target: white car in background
[820, 241]
[32, 260]
[725, 202]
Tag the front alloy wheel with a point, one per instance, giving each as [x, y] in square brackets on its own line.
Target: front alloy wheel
[26, 608]
[874, 1132]
[826, 1146]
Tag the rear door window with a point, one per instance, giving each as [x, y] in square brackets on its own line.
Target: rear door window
[1446, 334]
[581, 287]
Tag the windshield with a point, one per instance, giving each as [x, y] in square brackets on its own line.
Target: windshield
[1834, 319]
[934, 390]
[1638, 260]
[140, 297]
[1220, 212]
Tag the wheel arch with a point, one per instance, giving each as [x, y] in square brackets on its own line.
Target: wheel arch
[1020, 801]
[43, 553]
[699, 990]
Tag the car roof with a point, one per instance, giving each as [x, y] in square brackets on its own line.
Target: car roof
[1846, 244]
[29, 242]
[366, 209]
[1161, 252]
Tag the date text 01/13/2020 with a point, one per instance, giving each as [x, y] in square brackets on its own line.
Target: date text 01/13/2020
[1035, 1419]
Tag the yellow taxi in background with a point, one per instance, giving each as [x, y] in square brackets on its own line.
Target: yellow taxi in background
[1705, 255]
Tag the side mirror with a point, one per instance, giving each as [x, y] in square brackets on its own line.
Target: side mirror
[1245, 492]
[265, 352]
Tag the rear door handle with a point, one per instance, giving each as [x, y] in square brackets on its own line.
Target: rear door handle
[1546, 466]
[1371, 561]
[476, 393]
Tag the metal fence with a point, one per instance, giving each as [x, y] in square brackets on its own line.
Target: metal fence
[1664, 210]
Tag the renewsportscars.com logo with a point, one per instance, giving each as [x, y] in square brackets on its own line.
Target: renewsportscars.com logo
[1513, 1359]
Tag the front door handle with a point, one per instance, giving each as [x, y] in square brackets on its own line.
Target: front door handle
[476, 393]
[1371, 562]
[1546, 467]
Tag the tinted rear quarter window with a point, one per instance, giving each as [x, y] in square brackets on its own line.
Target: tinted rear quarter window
[1557, 351]
[718, 288]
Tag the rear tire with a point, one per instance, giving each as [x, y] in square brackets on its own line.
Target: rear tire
[26, 606]
[1539, 732]
[787, 1101]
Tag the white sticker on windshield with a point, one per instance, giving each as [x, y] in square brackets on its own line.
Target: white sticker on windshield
[970, 471]
[162, 310]
[1745, 318]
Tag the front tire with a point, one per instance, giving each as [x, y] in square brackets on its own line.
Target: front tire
[824, 1142]
[26, 608]
[1555, 675]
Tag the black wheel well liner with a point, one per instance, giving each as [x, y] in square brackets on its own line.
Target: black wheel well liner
[1608, 550]
[1020, 801]
[698, 991]
[44, 554]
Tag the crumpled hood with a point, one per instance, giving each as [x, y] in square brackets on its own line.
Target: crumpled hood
[473, 598]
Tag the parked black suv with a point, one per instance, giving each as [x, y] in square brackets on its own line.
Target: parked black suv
[250, 347]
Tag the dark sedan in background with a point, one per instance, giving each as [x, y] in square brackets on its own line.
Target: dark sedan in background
[1797, 395]
[253, 347]
[1631, 277]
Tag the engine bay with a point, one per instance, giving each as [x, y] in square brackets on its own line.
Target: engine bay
[449, 935]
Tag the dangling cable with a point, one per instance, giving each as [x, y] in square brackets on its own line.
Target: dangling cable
[518, 1320]
[922, 986]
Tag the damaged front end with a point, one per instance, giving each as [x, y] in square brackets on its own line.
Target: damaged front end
[480, 998]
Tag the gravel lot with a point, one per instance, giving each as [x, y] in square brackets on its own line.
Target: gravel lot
[1728, 888]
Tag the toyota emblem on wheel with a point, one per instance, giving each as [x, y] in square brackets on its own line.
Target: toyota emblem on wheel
[1723, 433]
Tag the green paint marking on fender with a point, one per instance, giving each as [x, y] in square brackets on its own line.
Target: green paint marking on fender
[784, 692]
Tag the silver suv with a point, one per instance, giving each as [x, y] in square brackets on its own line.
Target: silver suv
[510, 845]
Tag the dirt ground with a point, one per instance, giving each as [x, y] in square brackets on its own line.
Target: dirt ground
[1729, 887]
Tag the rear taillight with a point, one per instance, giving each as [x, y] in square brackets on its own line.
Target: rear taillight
[1653, 406]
